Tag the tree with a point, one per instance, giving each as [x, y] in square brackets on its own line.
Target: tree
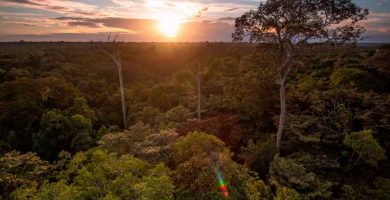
[141, 142]
[199, 92]
[383, 187]
[81, 107]
[100, 175]
[96, 174]
[285, 172]
[178, 114]
[366, 146]
[59, 132]
[53, 136]
[197, 157]
[152, 116]
[115, 56]
[22, 170]
[284, 193]
[288, 25]
[127, 142]
[82, 128]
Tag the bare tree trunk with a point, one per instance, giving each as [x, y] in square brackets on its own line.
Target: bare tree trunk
[119, 64]
[199, 92]
[284, 70]
[115, 56]
[283, 112]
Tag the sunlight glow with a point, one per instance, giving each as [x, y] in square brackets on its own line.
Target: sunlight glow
[169, 24]
[171, 15]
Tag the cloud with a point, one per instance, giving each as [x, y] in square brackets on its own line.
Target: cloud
[20, 23]
[377, 22]
[86, 24]
[231, 9]
[125, 3]
[201, 12]
[134, 25]
[24, 2]
[57, 6]
[206, 31]
[381, 2]
[190, 31]
[227, 19]
[211, 20]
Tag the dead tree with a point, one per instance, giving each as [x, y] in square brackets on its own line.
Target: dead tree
[198, 80]
[113, 52]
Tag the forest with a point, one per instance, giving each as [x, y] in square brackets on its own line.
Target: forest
[295, 108]
[62, 134]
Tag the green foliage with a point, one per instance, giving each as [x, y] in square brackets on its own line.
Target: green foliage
[54, 134]
[96, 174]
[83, 137]
[58, 132]
[348, 193]
[366, 146]
[127, 142]
[196, 144]
[251, 94]
[177, 114]
[346, 76]
[141, 141]
[56, 97]
[196, 156]
[80, 107]
[185, 78]
[152, 116]
[157, 147]
[382, 188]
[103, 130]
[285, 172]
[158, 98]
[284, 193]
[22, 171]
[258, 155]
[54, 191]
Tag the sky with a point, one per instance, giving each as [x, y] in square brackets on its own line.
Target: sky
[146, 20]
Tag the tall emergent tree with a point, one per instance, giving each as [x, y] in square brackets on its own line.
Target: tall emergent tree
[112, 51]
[291, 25]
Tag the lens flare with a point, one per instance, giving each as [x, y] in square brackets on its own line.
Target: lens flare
[221, 183]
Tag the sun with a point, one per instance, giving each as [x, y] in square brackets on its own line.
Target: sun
[169, 25]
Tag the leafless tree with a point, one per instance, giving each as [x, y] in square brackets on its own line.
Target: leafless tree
[113, 52]
[198, 80]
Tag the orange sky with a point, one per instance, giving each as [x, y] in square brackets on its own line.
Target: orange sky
[144, 20]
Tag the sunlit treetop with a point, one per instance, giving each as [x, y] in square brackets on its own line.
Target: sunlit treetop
[301, 21]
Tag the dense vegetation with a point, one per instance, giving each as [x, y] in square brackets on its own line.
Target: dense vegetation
[62, 135]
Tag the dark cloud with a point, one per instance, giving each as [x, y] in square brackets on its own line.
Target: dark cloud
[70, 37]
[24, 2]
[20, 24]
[227, 19]
[231, 9]
[56, 8]
[201, 12]
[86, 24]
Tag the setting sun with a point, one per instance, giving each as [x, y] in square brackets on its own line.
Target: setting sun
[169, 25]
